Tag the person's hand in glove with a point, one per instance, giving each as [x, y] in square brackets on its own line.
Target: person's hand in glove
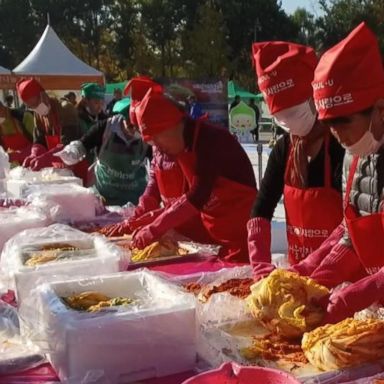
[146, 204]
[145, 219]
[259, 247]
[312, 261]
[128, 226]
[173, 216]
[72, 153]
[342, 264]
[118, 229]
[356, 297]
[36, 150]
[47, 159]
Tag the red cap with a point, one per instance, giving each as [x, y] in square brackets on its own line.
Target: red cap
[137, 88]
[349, 77]
[28, 89]
[284, 71]
[156, 113]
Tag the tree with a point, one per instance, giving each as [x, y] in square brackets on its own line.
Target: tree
[306, 25]
[250, 20]
[206, 49]
[162, 20]
[341, 16]
[18, 32]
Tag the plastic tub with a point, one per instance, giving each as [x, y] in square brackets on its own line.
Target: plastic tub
[232, 373]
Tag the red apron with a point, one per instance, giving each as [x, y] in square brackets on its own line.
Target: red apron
[19, 145]
[17, 141]
[366, 232]
[53, 140]
[172, 185]
[312, 213]
[227, 212]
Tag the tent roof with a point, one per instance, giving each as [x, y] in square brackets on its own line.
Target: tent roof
[234, 90]
[110, 87]
[50, 56]
[4, 71]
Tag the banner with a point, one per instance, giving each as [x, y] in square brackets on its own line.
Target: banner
[210, 94]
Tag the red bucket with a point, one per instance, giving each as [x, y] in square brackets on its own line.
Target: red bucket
[232, 373]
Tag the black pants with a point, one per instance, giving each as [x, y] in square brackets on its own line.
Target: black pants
[255, 134]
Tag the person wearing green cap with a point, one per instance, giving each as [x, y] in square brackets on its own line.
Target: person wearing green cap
[90, 108]
[122, 156]
[90, 111]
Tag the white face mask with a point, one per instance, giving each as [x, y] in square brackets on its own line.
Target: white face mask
[367, 145]
[42, 109]
[2, 119]
[297, 120]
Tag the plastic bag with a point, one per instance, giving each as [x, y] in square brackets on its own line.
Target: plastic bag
[68, 252]
[223, 307]
[14, 220]
[4, 163]
[20, 180]
[72, 153]
[220, 309]
[237, 374]
[116, 344]
[16, 354]
[65, 202]
[46, 174]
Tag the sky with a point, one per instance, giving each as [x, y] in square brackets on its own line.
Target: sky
[311, 5]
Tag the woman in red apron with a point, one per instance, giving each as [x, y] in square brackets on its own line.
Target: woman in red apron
[225, 205]
[167, 183]
[349, 96]
[50, 128]
[53, 140]
[311, 213]
[310, 187]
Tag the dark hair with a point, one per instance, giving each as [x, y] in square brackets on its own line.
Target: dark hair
[9, 98]
[69, 94]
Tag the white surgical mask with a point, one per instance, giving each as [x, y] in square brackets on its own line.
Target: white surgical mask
[367, 145]
[42, 109]
[2, 119]
[297, 120]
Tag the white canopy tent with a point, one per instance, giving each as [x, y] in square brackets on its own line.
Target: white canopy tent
[55, 66]
[4, 71]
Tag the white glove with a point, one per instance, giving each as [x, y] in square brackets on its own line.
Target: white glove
[72, 153]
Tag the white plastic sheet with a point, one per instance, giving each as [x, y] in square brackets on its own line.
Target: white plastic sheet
[20, 180]
[223, 307]
[95, 256]
[4, 163]
[153, 337]
[16, 354]
[65, 202]
[14, 220]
